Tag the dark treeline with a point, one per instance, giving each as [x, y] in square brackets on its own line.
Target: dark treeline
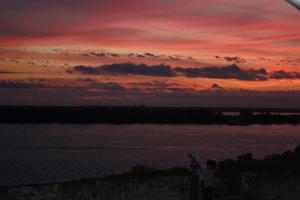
[230, 171]
[147, 115]
[275, 165]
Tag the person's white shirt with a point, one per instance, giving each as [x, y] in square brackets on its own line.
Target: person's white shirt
[207, 177]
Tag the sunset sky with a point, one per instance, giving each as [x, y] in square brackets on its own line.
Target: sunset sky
[150, 52]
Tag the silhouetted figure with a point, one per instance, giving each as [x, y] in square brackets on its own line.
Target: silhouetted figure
[194, 164]
[208, 180]
[195, 167]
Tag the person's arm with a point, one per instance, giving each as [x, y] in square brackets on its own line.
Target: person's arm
[201, 172]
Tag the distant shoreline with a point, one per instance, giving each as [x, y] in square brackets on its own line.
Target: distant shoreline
[147, 115]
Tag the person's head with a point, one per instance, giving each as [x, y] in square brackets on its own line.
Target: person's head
[191, 156]
[211, 164]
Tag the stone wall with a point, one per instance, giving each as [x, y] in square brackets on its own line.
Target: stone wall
[268, 187]
[279, 187]
[149, 188]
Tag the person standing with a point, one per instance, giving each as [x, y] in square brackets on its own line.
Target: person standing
[208, 179]
[195, 167]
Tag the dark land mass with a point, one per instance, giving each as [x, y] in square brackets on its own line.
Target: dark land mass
[147, 115]
[287, 163]
[229, 170]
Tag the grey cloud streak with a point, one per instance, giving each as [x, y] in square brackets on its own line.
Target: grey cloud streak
[126, 68]
[226, 72]
[11, 84]
[146, 55]
[37, 84]
[8, 72]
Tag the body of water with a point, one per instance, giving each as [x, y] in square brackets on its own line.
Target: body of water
[59, 152]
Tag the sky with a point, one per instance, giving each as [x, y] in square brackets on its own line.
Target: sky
[150, 52]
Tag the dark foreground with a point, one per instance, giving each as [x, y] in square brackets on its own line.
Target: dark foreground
[275, 177]
[148, 115]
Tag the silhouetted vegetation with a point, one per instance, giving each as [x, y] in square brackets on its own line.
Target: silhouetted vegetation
[231, 170]
[147, 115]
[275, 164]
[143, 171]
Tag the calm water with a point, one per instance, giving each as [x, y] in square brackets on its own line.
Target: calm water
[42, 153]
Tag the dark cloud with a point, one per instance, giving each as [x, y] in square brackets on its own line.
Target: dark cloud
[84, 70]
[159, 86]
[234, 59]
[101, 54]
[107, 86]
[37, 84]
[142, 69]
[98, 54]
[14, 84]
[216, 86]
[86, 80]
[140, 56]
[126, 68]
[170, 90]
[227, 72]
[284, 75]
[153, 84]
[8, 72]
[130, 54]
[114, 55]
[149, 54]
[146, 55]
[30, 63]
[111, 86]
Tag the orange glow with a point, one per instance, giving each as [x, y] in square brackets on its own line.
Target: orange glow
[44, 41]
